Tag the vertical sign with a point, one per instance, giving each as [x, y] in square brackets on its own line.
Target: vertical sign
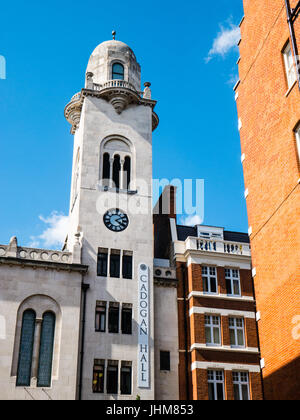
[144, 328]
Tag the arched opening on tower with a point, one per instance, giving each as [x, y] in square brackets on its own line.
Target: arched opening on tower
[116, 171]
[106, 170]
[118, 71]
[127, 172]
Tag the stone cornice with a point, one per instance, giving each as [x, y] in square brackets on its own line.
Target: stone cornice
[47, 265]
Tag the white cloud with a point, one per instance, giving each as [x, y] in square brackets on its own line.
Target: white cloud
[54, 234]
[225, 41]
[191, 220]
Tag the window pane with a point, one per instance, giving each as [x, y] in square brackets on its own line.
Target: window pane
[127, 321]
[217, 336]
[165, 363]
[205, 284]
[127, 266]
[236, 390]
[245, 392]
[228, 287]
[98, 379]
[211, 392]
[220, 392]
[240, 336]
[115, 266]
[113, 320]
[126, 380]
[118, 71]
[208, 335]
[46, 350]
[236, 287]
[112, 379]
[232, 337]
[102, 264]
[26, 349]
[213, 285]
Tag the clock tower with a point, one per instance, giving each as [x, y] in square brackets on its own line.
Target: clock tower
[111, 216]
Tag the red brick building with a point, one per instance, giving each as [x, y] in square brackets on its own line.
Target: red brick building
[268, 102]
[218, 342]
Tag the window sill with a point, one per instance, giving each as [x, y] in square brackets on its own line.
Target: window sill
[117, 190]
[198, 346]
[291, 88]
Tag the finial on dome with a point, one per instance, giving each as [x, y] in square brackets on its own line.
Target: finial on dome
[114, 33]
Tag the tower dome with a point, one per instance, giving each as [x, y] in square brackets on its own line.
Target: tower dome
[114, 60]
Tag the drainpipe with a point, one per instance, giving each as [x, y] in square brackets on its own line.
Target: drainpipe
[187, 379]
[84, 288]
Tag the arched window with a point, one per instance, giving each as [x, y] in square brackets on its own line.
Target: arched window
[116, 171]
[127, 172]
[106, 169]
[26, 348]
[117, 71]
[46, 350]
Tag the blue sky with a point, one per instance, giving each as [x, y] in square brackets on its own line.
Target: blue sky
[47, 46]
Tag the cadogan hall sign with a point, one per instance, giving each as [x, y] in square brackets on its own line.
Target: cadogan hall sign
[144, 327]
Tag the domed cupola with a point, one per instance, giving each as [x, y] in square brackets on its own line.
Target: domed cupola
[112, 74]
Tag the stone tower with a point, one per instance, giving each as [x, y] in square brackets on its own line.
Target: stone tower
[111, 215]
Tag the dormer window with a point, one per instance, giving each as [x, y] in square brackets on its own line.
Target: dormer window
[118, 71]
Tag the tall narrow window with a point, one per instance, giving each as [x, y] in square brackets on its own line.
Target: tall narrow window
[127, 172]
[116, 171]
[112, 377]
[113, 318]
[126, 319]
[165, 360]
[118, 71]
[233, 282]
[100, 321]
[216, 385]
[236, 329]
[241, 386]
[106, 170]
[127, 265]
[213, 330]
[98, 376]
[289, 65]
[102, 262]
[26, 348]
[126, 378]
[209, 277]
[115, 258]
[46, 350]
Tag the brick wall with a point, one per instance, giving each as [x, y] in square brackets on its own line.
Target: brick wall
[271, 170]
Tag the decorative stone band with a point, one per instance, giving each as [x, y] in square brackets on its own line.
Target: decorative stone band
[225, 366]
[38, 254]
[221, 312]
[221, 296]
[201, 346]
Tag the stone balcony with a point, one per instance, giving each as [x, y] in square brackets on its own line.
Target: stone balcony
[192, 244]
[119, 93]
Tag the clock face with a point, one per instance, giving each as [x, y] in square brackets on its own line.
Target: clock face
[116, 220]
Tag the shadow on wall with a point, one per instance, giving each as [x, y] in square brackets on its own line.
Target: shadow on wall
[284, 384]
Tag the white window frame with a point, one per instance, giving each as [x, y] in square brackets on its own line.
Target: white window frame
[289, 63]
[240, 379]
[297, 134]
[213, 322]
[229, 275]
[215, 380]
[235, 327]
[209, 275]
